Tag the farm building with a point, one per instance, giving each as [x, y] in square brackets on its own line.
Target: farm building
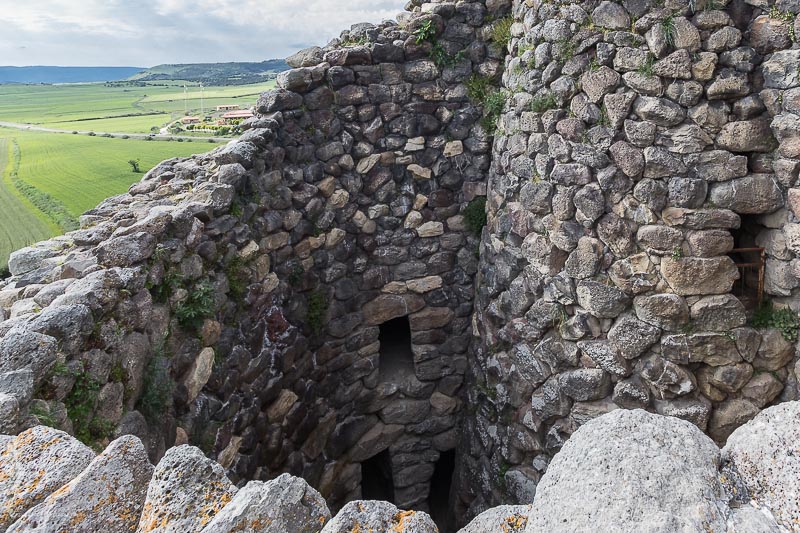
[227, 107]
[233, 116]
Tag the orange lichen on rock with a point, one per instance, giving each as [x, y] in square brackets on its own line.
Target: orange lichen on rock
[515, 523]
[401, 520]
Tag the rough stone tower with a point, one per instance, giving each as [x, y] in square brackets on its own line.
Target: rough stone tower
[314, 297]
[641, 204]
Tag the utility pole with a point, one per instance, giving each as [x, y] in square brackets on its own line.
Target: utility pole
[185, 99]
[202, 100]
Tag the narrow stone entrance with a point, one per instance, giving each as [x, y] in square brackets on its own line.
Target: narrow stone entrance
[376, 478]
[750, 259]
[396, 357]
[439, 498]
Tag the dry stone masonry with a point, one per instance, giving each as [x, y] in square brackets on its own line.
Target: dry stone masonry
[642, 146]
[319, 300]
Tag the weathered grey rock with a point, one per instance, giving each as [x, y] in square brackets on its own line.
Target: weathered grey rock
[699, 276]
[612, 16]
[585, 384]
[785, 127]
[782, 70]
[9, 413]
[718, 313]
[687, 192]
[628, 158]
[286, 503]
[747, 519]
[677, 65]
[728, 378]
[22, 348]
[660, 111]
[728, 416]
[774, 351]
[606, 357]
[747, 136]
[126, 250]
[631, 337]
[601, 300]
[765, 453]
[380, 517]
[502, 519]
[660, 163]
[632, 394]
[715, 349]
[727, 84]
[663, 472]
[684, 139]
[597, 83]
[107, 496]
[27, 259]
[278, 100]
[34, 465]
[307, 57]
[695, 410]
[19, 384]
[186, 492]
[666, 379]
[665, 311]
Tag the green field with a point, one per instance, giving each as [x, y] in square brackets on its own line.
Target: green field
[50, 179]
[19, 223]
[112, 108]
[64, 176]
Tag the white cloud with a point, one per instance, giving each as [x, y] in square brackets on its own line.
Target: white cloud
[149, 32]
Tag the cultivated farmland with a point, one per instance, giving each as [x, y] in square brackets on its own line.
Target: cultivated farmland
[20, 223]
[123, 108]
[67, 175]
[50, 179]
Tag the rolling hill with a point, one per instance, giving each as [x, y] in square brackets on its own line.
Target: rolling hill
[215, 73]
[47, 74]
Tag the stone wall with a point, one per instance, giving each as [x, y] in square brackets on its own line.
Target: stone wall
[640, 144]
[233, 299]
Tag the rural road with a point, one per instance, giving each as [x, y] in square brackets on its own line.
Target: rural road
[137, 136]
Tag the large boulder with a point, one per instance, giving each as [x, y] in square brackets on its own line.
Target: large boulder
[286, 503]
[186, 492]
[766, 453]
[107, 496]
[632, 471]
[379, 517]
[503, 519]
[34, 465]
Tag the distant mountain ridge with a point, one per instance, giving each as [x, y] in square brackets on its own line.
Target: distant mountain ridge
[209, 73]
[215, 73]
[49, 74]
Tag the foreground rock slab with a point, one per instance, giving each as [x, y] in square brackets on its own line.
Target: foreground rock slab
[632, 471]
[379, 517]
[107, 496]
[766, 453]
[185, 494]
[34, 465]
[286, 503]
[503, 519]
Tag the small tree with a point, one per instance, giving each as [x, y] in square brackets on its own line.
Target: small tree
[134, 163]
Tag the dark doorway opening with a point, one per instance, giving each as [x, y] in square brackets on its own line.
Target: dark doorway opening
[396, 357]
[376, 478]
[750, 259]
[439, 498]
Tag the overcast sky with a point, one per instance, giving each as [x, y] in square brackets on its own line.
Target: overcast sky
[144, 33]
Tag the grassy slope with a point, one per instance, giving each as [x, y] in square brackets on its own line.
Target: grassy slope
[82, 171]
[19, 223]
